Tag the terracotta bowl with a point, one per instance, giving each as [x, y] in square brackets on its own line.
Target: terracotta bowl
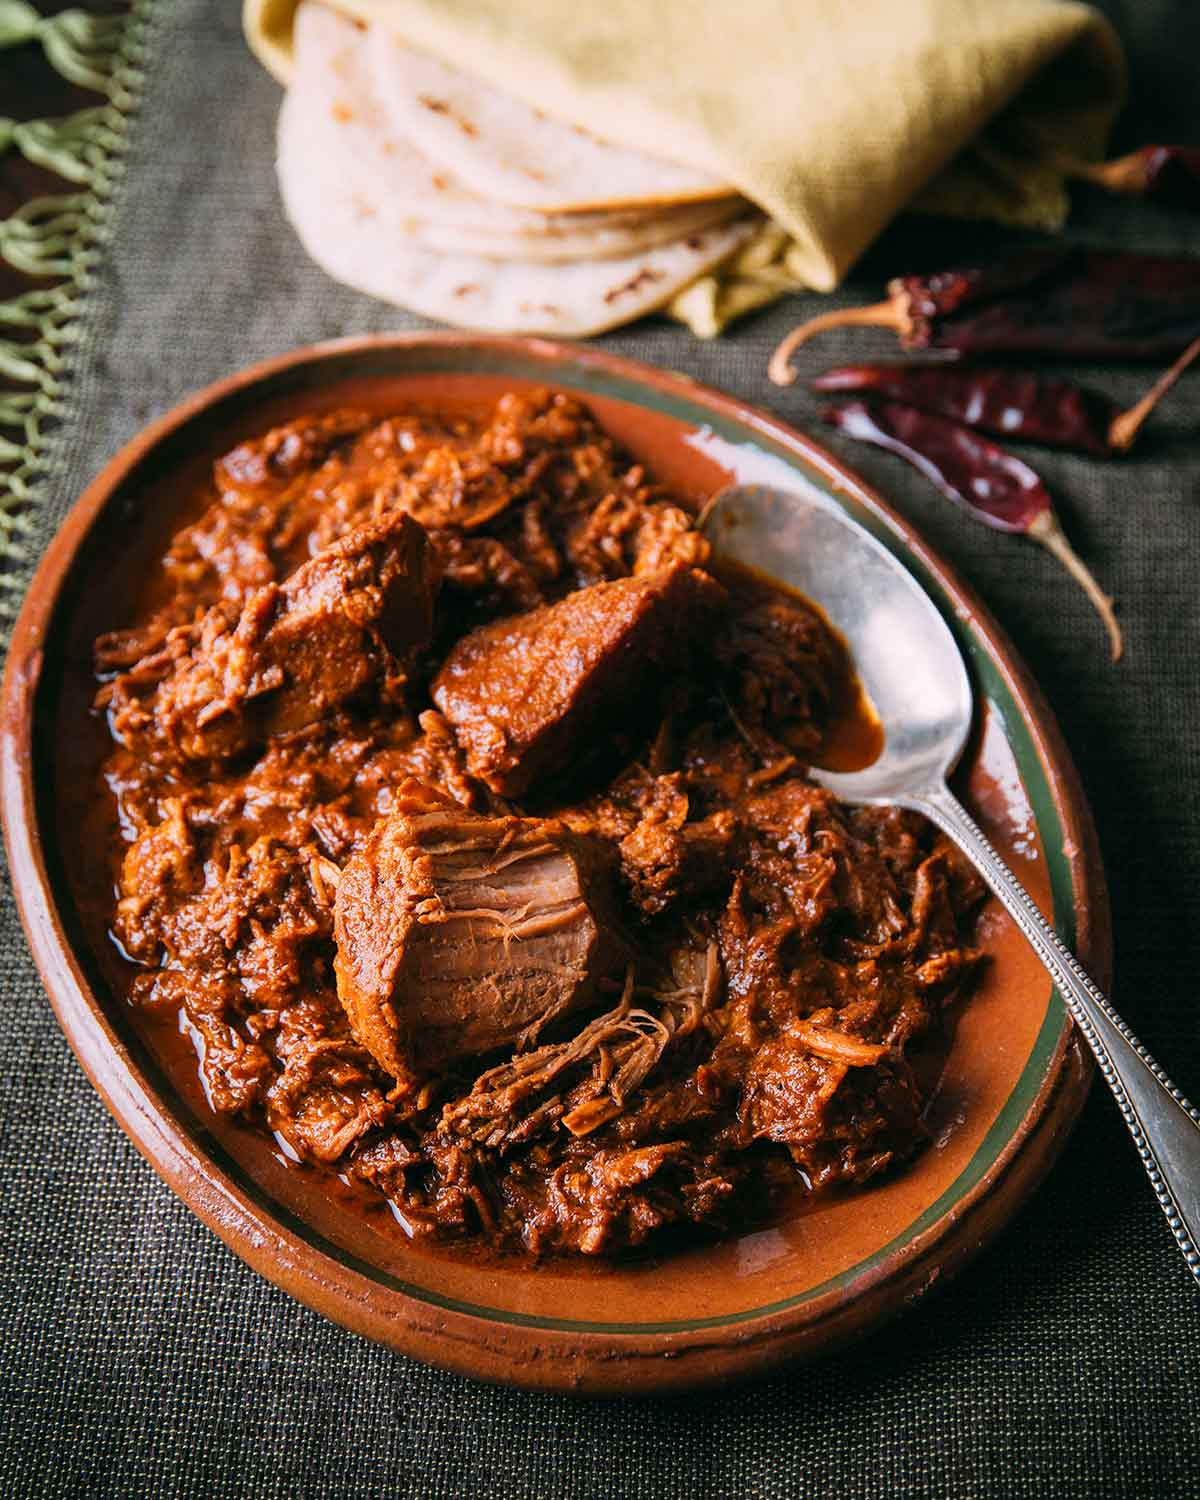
[1014, 1077]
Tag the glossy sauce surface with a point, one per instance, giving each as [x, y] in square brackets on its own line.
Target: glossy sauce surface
[852, 736]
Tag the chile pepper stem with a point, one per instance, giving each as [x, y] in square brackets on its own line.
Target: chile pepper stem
[1123, 174]
[887, 314]
[1046, 530]
[1124, 428]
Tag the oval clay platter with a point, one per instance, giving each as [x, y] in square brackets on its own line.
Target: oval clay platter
[1015, 1073]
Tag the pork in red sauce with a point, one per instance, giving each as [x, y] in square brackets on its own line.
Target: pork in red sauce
[350, 618]
[734, 972]
[526, 693]
[459, 934]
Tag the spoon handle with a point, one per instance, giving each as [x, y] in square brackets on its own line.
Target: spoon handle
[1164, 1126]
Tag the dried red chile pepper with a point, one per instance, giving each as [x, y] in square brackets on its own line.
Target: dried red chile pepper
[1170, 173]
[996, 487]
[1007, 403]
[1012, 403]
[1088, 304]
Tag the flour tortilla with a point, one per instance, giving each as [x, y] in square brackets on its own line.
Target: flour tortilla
[598, 242]
[335, 201]
[430, 203]
[505, 149]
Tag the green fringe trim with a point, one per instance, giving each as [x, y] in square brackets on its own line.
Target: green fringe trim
[74, 146]
[61, 236]
[83, 48]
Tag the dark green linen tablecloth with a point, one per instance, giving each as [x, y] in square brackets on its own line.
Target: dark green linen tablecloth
[139, 1357]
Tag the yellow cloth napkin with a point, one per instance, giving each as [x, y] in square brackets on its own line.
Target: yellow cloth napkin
[832, 115]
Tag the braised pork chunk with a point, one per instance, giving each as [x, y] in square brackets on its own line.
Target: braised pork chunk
[349, 619]
[458, 935]
[524, 694]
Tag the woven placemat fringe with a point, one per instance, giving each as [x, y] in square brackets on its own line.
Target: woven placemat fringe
[85, 49]
[58, 236]
[74, 146]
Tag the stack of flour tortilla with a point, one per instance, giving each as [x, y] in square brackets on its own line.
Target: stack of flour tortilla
[426, 187]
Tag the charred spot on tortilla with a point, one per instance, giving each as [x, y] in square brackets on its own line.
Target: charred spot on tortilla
[641, 279]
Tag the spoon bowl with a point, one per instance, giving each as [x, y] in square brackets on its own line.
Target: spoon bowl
[905, 656]
[913, 673]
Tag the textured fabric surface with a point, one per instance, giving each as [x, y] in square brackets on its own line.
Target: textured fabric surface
[138, 1357]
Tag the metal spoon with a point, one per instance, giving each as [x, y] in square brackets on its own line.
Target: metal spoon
[911, 668]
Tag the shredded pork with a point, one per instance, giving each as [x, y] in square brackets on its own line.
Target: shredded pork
[461, 820]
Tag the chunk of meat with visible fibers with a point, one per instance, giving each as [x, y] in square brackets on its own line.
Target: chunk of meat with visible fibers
[343, 619]
[457, 934]
[525, 694]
